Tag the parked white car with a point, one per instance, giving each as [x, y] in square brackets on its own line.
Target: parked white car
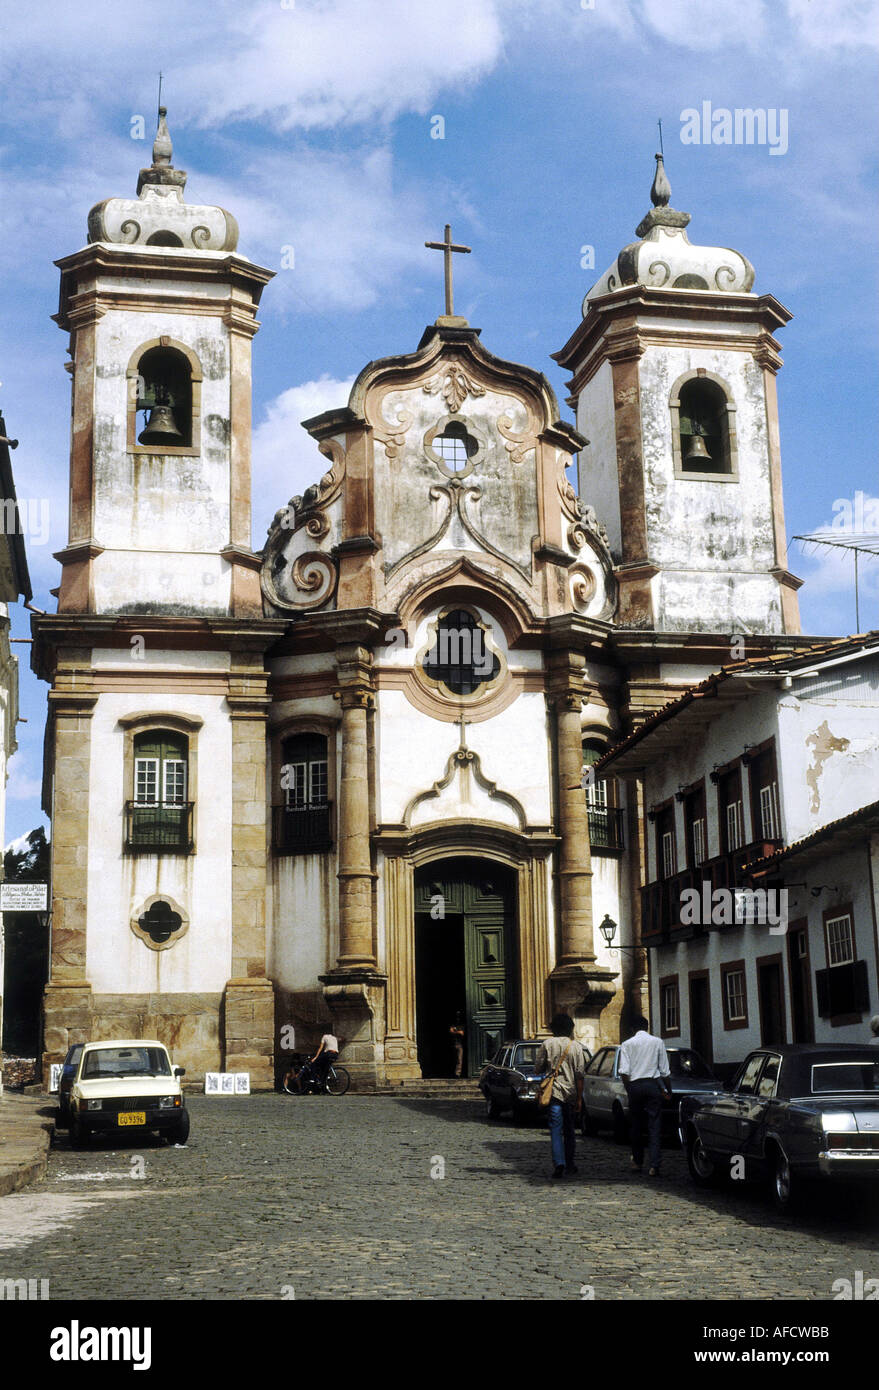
[124, 1085]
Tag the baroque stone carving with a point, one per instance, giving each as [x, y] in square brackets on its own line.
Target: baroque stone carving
[516, 445]
[455, 386]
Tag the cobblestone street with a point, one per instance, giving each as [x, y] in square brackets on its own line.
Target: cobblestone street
[318, 1198]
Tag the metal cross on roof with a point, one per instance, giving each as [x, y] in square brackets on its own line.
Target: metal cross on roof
[447, 246]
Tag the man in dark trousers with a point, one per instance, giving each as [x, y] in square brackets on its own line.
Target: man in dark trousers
[644, 1071]
[562, 1051]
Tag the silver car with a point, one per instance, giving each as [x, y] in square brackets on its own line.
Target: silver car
[606, 1104]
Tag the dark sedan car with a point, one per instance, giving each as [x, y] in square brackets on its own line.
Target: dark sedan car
[65, 1081]
[509, 1081]
[606, 1104]
[792, 1113]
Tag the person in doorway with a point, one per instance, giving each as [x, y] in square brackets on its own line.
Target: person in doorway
[562, 1055]
[874, 1029]
[325, 1056]
[644, 1071]
[456, 1034]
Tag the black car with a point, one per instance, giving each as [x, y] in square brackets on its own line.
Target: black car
[606, 1104]
[510, 1080]
[791, 1113]
[65, 1081]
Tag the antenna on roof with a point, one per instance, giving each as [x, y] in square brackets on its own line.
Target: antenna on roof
[661, 150]
[864, 544]
[160, 91]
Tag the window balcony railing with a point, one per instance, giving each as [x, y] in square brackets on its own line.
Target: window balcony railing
[661, 900]
[606, 827]
[160, 828]
[302, 829]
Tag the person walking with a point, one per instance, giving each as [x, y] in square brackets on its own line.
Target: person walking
[562, 1055]
[644, 1071]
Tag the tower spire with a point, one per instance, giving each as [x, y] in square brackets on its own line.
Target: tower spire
[660, 192]
[162, 147]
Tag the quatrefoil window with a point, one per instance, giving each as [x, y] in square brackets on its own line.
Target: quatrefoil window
[455, 446]
[460, 657]
[160, 922]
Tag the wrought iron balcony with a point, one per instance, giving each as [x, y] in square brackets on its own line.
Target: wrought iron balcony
[606, 828]
[302, 829]
[661, 900]
[158, 829]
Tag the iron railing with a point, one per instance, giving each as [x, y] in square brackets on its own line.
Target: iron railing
[606, 827]
[302, 829]
[159, 829]
[661, 900]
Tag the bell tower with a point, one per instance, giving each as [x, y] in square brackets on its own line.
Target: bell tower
[161, 312]
[673, 381]
[156, 735]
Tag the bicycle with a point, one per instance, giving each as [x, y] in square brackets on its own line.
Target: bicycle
[307, 1082]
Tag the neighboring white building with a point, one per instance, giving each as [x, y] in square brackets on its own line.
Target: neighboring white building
[763, 777]
[340, 780]
[14, 584]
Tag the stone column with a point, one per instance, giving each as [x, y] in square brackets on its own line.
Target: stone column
[578, 985]
[249, 1005]
[355, 990]
[576, 946]
[67, 1000]
[356, 949]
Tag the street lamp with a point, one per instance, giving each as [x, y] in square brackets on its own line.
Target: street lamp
[608, 929]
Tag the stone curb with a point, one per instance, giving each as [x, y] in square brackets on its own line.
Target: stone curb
[25, 1139]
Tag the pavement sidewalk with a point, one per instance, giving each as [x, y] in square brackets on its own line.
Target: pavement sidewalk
[26, 1127]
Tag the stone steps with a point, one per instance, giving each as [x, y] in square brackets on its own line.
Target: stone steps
[436, 1088]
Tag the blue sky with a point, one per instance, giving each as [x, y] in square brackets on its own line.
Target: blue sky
[311, 120]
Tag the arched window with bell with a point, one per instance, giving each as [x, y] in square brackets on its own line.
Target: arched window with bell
[703, 417]
[164, 399]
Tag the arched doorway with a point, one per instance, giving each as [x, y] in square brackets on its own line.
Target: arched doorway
[465, 943]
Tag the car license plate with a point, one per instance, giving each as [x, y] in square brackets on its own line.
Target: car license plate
[132, 1117]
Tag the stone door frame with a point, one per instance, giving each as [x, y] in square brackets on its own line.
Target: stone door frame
[402, 853]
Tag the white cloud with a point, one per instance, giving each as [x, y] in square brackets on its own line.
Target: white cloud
[693, 24]
[346, 61]
[836, 23]
[351, 229]
[22, 785]
[286, 460]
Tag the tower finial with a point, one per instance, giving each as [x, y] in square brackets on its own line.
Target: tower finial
[162, 147]
[660, 193]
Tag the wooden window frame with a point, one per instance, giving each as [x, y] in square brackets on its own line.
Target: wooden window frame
[754, 802]
[727, 968]
[155, 722]
[828, 915]
[669, 982]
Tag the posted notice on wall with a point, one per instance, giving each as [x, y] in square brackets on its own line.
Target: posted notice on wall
[24, 897]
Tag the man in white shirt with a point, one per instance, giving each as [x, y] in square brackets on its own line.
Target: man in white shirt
[644, 1071]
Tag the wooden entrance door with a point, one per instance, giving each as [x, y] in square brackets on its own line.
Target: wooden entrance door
[464, 948]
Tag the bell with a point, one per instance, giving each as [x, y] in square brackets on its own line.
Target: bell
[697, 451]
[160, 428]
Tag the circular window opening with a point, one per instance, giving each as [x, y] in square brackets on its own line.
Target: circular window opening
[455, 446]
[460, 658]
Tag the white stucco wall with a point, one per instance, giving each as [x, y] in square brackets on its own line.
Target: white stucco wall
[117, 961]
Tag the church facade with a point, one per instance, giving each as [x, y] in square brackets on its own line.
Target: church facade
[340, 781]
